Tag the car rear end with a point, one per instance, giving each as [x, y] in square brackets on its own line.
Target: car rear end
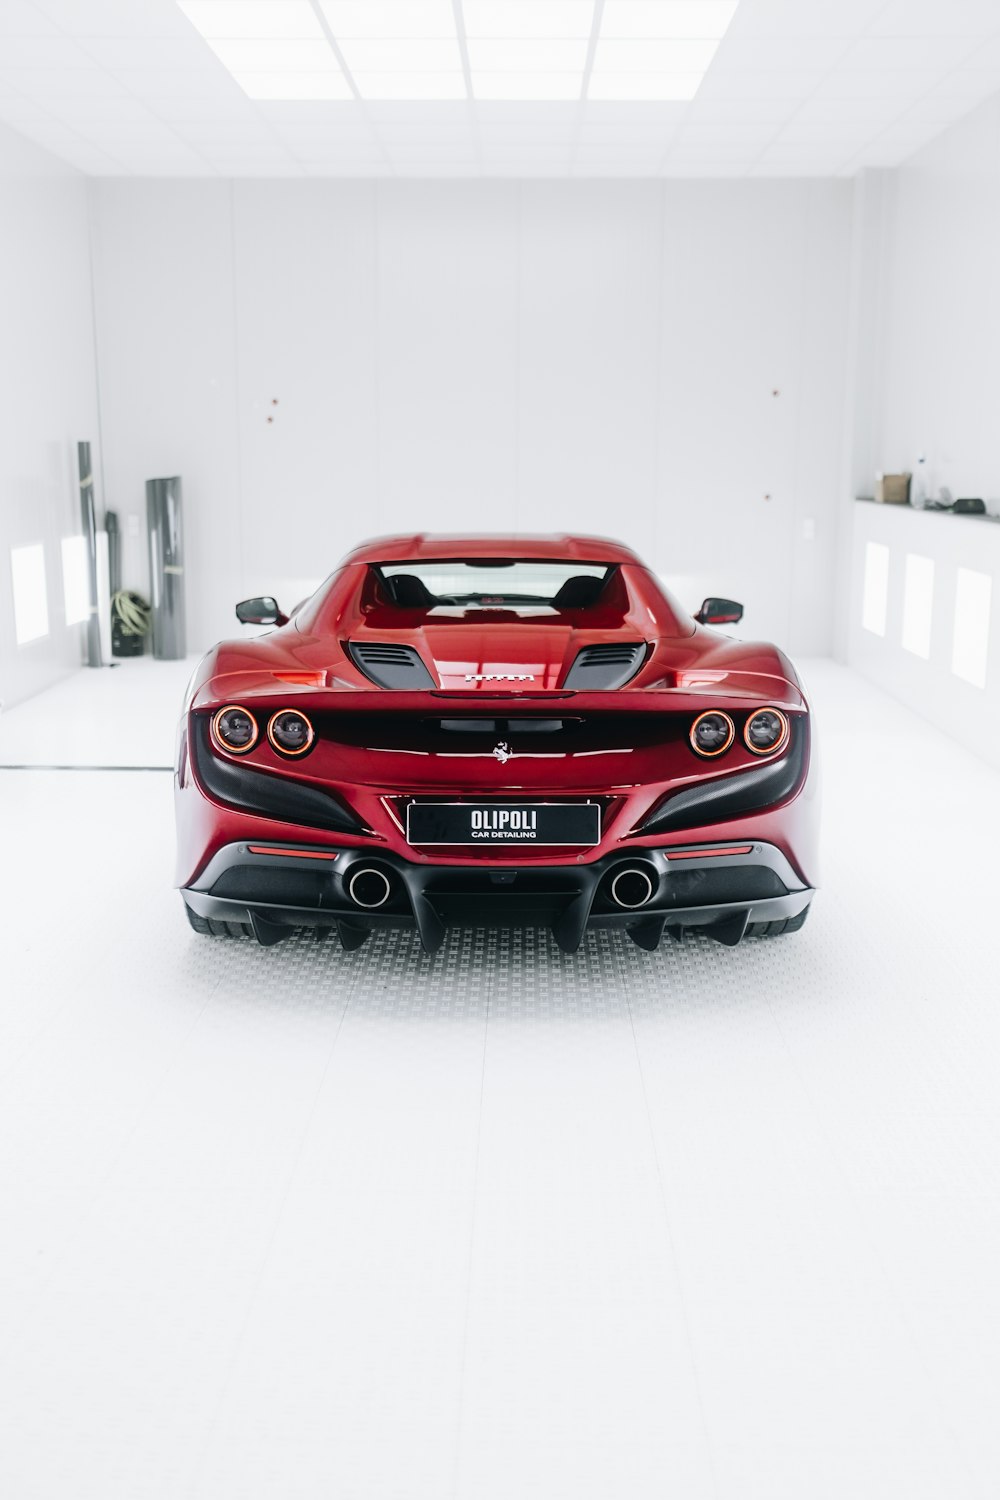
[649, 811]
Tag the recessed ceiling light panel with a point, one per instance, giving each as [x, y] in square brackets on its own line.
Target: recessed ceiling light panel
[217, 19]
[566, 55]
[401, 54]
[517, 49]
[617, 55]
[285, 54]
[670, 20]
[528, 18]
[656, 49]
[531, 86]
[411, 85]
[389, 18]
[275, 49]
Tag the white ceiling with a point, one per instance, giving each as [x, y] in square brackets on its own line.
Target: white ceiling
[796, 88]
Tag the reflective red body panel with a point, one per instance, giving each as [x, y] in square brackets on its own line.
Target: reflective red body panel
[493, 718]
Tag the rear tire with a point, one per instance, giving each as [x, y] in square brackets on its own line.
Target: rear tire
[779, 928]
[209, 927]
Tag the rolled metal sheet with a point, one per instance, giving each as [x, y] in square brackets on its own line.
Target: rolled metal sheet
[89, 522]
[166, 567]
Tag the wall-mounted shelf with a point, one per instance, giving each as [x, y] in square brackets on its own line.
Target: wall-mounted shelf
[911, 510]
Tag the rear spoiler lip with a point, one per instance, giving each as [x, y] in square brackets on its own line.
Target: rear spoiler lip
[255, 687]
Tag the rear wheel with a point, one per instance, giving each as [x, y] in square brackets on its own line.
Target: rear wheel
[779, 928]
[209, 927]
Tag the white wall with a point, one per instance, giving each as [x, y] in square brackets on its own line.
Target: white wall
[167, 357]
[926, 379]
[939, 370]
[537, 356]
[47, 392]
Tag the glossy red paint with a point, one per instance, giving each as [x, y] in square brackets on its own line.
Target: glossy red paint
[374, 750]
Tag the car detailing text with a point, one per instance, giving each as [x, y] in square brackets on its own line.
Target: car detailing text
[508, 823]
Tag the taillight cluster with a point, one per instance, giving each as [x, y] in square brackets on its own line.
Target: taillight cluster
[764, 733]
[290, 732]
[236, 730]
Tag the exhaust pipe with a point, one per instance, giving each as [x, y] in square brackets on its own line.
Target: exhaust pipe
[631, 887]
[369, 887]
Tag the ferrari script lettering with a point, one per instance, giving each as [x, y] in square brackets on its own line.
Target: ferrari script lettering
[499, 676]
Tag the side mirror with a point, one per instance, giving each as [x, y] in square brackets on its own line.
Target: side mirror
[262, 611]
[720, 612]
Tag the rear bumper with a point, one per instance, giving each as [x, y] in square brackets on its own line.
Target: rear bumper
[276, 888]
[650, 796]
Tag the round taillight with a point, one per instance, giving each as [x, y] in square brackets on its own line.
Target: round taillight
[766, 731]
[235, 729]
[290, 732]
[712, 733]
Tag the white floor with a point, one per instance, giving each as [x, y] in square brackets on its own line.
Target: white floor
[123, 715]
[505, 1224]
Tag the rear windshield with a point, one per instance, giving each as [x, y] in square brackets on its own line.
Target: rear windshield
[494, 583]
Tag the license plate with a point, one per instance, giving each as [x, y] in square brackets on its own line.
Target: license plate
[576, 823]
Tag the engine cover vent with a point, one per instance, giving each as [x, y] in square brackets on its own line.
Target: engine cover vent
[391, 666]
[605, 666]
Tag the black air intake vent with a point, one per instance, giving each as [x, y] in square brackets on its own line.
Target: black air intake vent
[732, 796]
[605, 666]
[264, 794]
[395, 667]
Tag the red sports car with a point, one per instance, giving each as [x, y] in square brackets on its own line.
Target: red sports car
[518, 730]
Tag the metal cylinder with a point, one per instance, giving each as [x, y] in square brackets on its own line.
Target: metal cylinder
[88, 520]
[114, 551]
[166, 567]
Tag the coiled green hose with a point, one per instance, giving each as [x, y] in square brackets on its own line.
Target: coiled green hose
[132, 611]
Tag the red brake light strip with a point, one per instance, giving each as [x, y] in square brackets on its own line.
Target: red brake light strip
[707, 853]
[290, 853]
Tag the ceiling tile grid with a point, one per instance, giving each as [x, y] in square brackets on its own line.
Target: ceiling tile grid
[486, 88]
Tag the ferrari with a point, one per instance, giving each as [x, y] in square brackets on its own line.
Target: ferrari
[495, 730]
